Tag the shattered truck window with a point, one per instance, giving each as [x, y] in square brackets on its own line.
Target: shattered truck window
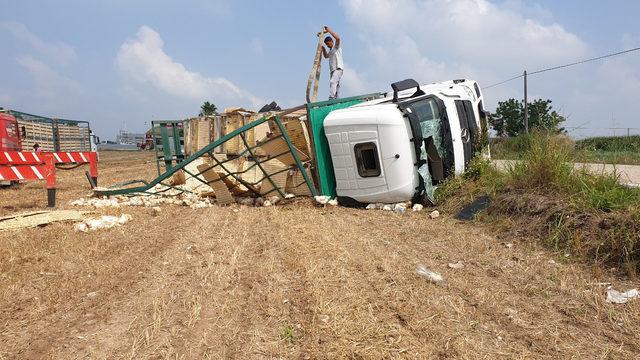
[426, 110]
[431, 127]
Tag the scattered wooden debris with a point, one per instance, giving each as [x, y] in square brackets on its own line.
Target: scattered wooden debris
[38, 218]
[223, 196]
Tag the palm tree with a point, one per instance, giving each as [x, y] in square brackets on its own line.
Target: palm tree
[208, 109]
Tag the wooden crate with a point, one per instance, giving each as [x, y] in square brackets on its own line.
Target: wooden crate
[35, 132]
[276, 171]
[197, 134]
[273, 148]
[232, 120]
[297, 132]
[296, 184]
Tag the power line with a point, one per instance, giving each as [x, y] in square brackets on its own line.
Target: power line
[585, 61]
[503, 82]
[566, 65]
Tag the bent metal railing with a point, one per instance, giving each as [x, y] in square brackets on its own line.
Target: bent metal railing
[249, 152]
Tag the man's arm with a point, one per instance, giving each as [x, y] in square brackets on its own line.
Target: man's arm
[335, 36]
[324, 52]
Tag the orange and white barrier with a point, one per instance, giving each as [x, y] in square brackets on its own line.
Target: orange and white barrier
[27, 166]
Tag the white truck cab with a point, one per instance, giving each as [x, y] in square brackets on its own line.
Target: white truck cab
[400, 147]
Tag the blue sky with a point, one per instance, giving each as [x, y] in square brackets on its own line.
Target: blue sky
[123, 63]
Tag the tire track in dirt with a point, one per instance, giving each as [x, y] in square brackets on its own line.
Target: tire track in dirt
[61, 331]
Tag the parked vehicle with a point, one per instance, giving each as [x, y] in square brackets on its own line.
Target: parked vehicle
[402, 146]
[21, 131]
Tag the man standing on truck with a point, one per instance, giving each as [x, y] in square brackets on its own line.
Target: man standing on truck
[335, 61]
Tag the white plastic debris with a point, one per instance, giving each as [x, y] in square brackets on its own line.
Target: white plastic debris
[387, 207]
[79, 202]
[457, 265]
[289, 196]
[434, 214]
[267, 203]
[432, 276]
[617, 297]
[274, 200]
[103, 222]
[371, 207]
[322, 199]
[333, 202]
[245, 201]
[199, 205]
[400, 208]
[417, 207]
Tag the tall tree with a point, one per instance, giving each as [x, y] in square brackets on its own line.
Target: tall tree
[509, 117]
[208, 109]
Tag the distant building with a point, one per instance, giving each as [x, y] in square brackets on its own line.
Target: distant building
[126, 137]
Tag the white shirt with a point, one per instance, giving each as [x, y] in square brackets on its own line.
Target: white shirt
[335, 58]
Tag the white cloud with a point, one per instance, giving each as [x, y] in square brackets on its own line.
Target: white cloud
[60, 52]
[142, 60]
[353, 81]
[50, 85]
[490, 41]
[432, 40]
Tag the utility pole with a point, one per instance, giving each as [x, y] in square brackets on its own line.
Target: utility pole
[526, 105]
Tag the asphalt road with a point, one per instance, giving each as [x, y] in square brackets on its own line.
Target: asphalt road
[629, 174]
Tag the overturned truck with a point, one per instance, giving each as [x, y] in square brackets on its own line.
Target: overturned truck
[380, 147]
[401, 146]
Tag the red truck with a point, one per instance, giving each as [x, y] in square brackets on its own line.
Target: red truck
[9, 133]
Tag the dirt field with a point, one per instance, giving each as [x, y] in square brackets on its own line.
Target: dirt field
[292, 281]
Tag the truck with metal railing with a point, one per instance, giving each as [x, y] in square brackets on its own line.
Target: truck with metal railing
[380, 147]
[33, 147]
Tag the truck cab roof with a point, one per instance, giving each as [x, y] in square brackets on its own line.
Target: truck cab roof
[462, 89]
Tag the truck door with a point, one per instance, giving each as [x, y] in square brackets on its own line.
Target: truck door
[9, 135]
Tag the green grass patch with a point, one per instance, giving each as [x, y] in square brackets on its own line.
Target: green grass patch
[610, 143]
[287, 334]
[606, 150]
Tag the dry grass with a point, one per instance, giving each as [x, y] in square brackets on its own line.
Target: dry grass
[291, 281]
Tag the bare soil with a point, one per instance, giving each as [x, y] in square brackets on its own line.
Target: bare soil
[291, 281]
